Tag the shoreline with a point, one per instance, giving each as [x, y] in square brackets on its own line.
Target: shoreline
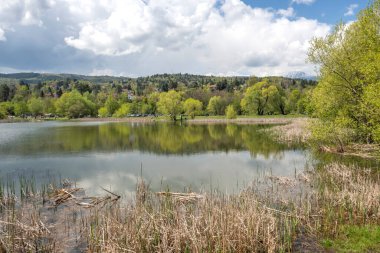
[200, 120]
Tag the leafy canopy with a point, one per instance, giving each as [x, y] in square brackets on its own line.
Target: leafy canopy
[170, 103]
[74, 105]
[192, 107]
[349, 60]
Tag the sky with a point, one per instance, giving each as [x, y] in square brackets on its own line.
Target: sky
[144, 37]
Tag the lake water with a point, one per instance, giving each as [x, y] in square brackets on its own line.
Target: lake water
[114, 155]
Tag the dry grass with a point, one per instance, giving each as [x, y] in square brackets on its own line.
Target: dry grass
[349, 196]
[266, 217]
[296, 131]
[174, 222]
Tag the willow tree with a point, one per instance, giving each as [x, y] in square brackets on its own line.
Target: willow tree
[260, 98]
[74, 105]
[347, 95]
[170, 103]
[192, 107]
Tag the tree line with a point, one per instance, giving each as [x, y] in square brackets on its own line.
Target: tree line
[166, 94]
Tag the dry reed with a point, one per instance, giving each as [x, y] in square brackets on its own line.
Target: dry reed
[296, 131]
[271, 217]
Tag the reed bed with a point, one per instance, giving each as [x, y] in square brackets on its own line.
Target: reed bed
[275, 214]
[297, 131]
[191, 223]
[347, 196]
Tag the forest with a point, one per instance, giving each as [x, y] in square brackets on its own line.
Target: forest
[34, 95]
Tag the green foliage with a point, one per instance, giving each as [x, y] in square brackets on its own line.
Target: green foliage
[4, 92]
[356, 239]
[152, 101]
[22, 93]
[215, 106]
[123, 111]
[36, 106]
[293, 99]
[8, 108]
[261, 98]
[49, 105]
[331, 133]
[111, 104]
[142, 93]
[170, 103]
[350, 62]
[192, 107]
[20, 108]
[230, 112]
[3, 112]
[74, 105]
[304, 105]
[103, 112]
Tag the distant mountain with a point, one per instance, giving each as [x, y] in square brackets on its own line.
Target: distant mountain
[300, 75]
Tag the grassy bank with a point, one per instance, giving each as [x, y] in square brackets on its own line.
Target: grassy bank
[333, 205]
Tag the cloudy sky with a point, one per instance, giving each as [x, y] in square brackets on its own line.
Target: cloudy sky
[144, 37]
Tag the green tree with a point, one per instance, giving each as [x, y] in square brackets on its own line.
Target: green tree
[258, 97]
[292, 102]
[4, 92]
[8, 108]
[21, 108]
[349, 60]
[49, 106]
[123, 111]
[170, 103]
[3, 111]
[278, 100]
[152, 101]
[74, 105]
[215, 106]
[230, 112]
[22, 93]
[103, 112]
[111, 104]
[36, 106]
[192, 107]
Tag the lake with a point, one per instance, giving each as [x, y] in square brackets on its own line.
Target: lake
[167, 155]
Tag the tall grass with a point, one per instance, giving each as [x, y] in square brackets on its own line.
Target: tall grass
[214, 223]
[347, 196]
[262, 218]
[297, 131]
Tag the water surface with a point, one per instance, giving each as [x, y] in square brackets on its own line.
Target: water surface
[114, 155]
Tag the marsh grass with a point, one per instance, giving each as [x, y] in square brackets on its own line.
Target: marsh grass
[348, 196]
[211, 223]
[294, 132]
[268, 216]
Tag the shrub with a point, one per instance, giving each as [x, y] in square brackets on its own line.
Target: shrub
[230, 112]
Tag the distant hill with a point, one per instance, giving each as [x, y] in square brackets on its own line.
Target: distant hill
[34, 78]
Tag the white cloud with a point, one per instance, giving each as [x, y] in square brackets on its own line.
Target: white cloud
[2, 37]
[351, 10]
[23, 12]
[286, 12]
[157, 36]
[200, 37]
[303, 1]
[133, 25]
[103, 72]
